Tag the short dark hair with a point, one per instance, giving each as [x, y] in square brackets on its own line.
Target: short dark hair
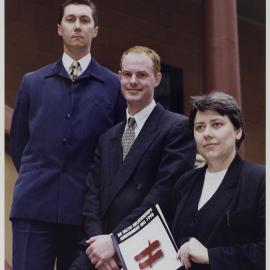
[79, 2]
[222, 103]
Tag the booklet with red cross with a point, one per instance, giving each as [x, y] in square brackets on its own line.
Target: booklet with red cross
[147, 243]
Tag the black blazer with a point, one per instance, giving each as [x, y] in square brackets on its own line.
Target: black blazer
[119, 192]
[237, 239]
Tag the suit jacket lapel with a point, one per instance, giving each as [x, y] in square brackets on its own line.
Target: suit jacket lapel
[228, 189]
[139, 147]
[184, 194]
[116, 155]
[114, 163]
[56, 69]
[93, 70]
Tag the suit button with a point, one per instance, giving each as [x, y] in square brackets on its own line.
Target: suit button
[64, 140]
[68, 116]
[139, 186]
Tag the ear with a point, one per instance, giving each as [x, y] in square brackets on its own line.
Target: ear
[158, 79]
[119, 74]
[239, 133]
[95, 31]
[59, 30]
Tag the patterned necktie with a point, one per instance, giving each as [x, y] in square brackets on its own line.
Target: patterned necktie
[73, 73]
[128, 136]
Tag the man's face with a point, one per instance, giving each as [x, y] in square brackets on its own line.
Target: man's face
[138, 81]
[77, 28]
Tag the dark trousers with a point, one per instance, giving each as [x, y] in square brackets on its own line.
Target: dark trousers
[38, 245]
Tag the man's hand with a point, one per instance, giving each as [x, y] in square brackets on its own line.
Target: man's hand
[193, 251]
[101, 251]
[108, 265]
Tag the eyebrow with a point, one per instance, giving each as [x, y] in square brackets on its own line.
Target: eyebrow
[197, 123]
[77, 15]
[137, 71]
[216, 119]
[212, 120]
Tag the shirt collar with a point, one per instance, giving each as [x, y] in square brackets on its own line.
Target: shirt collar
[84, 62]
[141, 116]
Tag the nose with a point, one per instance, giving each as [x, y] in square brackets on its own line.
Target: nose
[77, 24]
[133, 79]
[207, 133]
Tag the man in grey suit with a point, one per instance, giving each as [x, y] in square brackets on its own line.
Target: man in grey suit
[136, 162]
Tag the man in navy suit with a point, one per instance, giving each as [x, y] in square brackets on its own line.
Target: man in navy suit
[61, 110]
[122, 182]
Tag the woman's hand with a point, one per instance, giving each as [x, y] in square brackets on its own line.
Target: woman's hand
[193, 251]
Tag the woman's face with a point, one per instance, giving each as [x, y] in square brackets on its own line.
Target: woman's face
[215, 136]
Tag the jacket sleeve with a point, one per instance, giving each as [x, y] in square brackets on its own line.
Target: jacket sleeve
[92, 227]
[178, 156]
[19, 127]
[120, 108]
[246, 256]
[92, 210]
[81, 262]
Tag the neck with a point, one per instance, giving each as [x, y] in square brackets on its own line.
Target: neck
[133, 111]
[76, 54]
[135, 108]
[217, 165]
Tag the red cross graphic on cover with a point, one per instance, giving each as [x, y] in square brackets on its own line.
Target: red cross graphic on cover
[147, 244]
[151, 253]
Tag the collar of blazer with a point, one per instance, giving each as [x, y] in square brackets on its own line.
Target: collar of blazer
[190, 178]
[93, 70]
[150, 124]
[228, 185]
[139, 147]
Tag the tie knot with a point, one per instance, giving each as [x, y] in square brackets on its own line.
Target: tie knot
[131, 122]
[75, 64]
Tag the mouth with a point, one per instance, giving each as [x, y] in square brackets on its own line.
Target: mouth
[133, 91]
[210, 145]
[76, 36]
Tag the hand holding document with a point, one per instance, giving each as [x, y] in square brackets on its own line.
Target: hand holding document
[147, 243]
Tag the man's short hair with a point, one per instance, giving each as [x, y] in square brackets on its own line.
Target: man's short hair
[88, 3]
[221, 103]
[149, 52]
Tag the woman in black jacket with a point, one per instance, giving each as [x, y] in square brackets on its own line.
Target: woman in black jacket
[219, 221]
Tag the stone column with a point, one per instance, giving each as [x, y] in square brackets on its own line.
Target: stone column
[221, 50]
[221, 54]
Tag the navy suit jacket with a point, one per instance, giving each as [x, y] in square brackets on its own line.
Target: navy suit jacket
[237, 239]
[55, 127]
[119, 192]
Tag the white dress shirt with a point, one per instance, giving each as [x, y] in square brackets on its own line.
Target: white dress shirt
[212, 181]
[141, 117]
[84, 62]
